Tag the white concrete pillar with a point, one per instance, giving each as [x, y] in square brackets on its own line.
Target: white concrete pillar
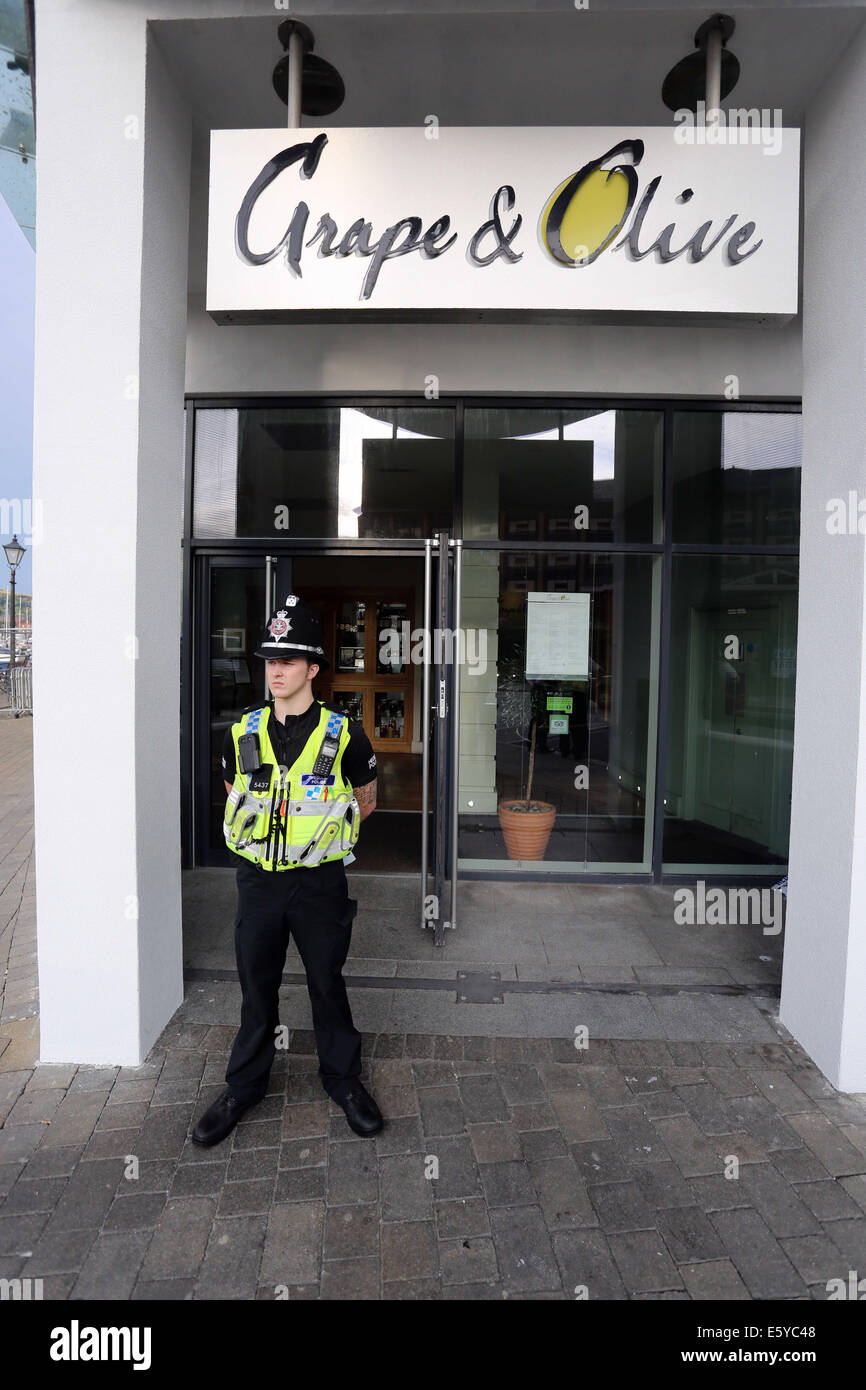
[824, 978]
[112, 215]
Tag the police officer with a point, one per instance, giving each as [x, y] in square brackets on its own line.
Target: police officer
[300, 777]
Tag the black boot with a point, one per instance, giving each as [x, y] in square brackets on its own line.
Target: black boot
[220, 1119]
[362, 1112]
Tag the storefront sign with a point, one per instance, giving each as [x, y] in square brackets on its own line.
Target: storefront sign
[388, 223]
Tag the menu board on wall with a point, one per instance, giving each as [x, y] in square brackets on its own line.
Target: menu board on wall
[557, 636]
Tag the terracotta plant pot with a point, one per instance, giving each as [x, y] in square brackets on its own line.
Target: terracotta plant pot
[526, 832]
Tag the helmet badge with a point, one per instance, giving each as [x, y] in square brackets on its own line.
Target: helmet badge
[279, 625]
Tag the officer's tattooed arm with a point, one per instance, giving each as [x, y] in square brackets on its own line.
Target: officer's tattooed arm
[366, 798]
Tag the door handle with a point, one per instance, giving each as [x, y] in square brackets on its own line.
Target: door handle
[455, 726]
[427, 710]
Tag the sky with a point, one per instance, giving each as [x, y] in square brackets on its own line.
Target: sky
[17, 282]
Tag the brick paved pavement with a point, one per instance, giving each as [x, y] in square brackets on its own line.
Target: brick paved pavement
[509, 1167]
[556, 1169]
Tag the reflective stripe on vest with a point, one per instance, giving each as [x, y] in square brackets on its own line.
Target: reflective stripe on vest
[301, 818]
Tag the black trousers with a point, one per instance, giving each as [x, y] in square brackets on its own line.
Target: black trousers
[314, 906]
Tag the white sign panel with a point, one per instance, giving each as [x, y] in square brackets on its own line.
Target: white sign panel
[557, 637]
[388, 223]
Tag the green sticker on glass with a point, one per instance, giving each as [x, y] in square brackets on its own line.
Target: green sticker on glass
[560, 702]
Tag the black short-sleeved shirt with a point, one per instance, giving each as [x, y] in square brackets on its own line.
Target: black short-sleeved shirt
[358, 762]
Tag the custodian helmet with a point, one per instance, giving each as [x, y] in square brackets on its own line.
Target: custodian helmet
[293, 630]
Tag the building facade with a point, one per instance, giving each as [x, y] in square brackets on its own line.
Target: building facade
[663, 476]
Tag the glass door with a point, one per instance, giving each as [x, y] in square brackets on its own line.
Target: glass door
[233, 596]
[401, 689]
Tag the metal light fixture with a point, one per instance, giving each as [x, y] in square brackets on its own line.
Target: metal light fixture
[322, 90]
[708, 75]
[14, 552]
[14, 555]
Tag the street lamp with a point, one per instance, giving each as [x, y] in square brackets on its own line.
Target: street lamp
[14, 555]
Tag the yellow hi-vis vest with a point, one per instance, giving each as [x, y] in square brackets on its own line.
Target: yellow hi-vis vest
[291, 819]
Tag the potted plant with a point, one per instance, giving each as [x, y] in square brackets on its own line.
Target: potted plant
[527, 824]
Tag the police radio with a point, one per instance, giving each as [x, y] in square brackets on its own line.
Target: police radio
[327, 753]
[330, 745]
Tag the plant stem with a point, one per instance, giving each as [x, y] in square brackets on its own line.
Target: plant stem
[531, 766]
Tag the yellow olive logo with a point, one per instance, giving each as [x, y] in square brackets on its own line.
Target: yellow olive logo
[583, 215]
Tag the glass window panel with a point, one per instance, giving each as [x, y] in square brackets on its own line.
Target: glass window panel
[731, 716]
[581, 744]
[290, 471]
[736, 477]
[215, 474]
[562, 474]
